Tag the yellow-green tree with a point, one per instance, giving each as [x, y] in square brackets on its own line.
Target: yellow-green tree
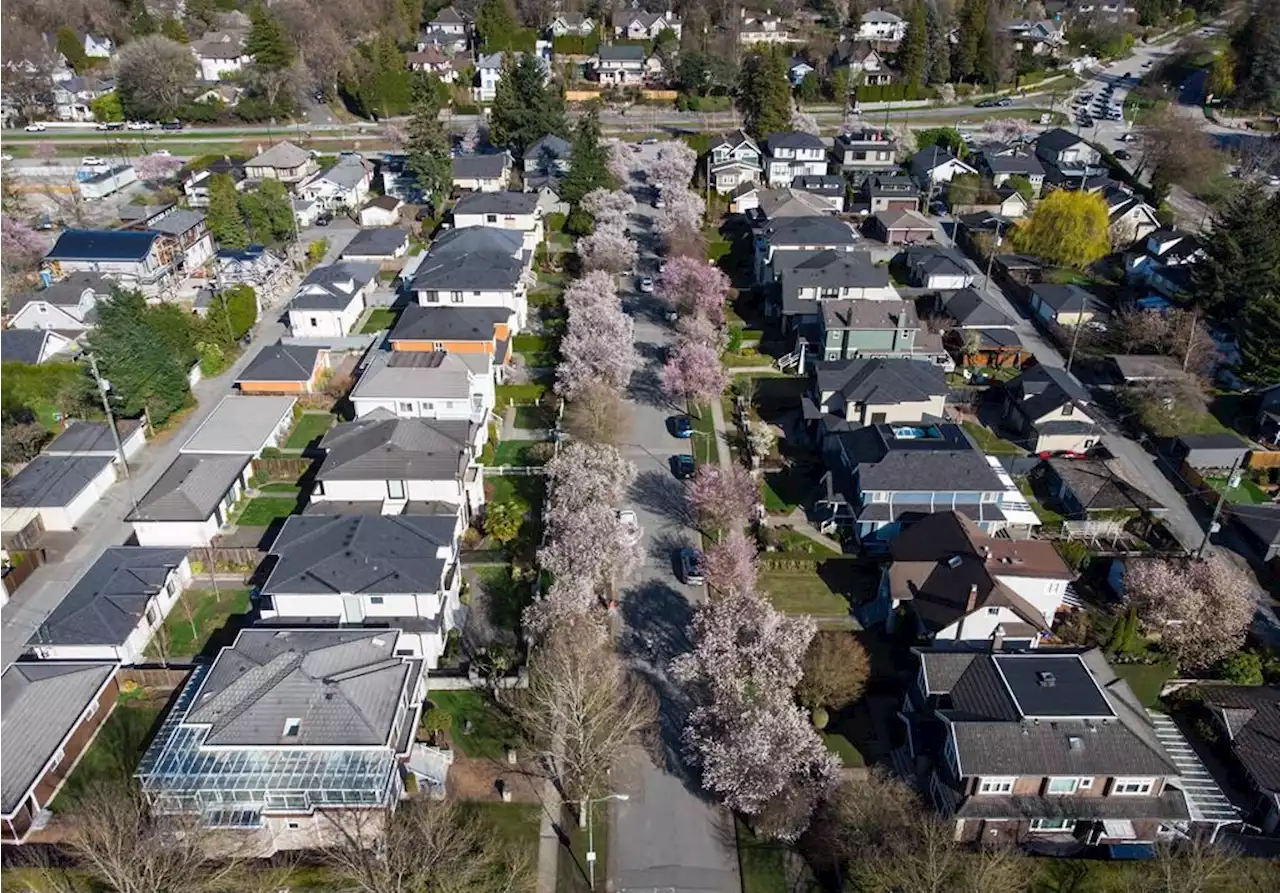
[1066, 228]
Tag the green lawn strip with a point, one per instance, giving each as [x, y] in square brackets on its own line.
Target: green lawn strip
[380, 319]
[1146, 680]
[1046, 515]
[785, 489]
[1245, 493]
[989, 442]
[518, 824]
[198, 614]
[280, 487]
[842, 747]
[506, 596]
[794, 541]
[517, 452]
[262, 511]
[705, 448]
[506, 394]
[114, 753]
[525, 491]
[574, 874]
[762, 863]
[536, 350]
[310, 426]
[534, 417]
[491, 731]
[825, 590]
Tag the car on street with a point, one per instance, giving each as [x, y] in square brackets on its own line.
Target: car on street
[1122, 155]
[986, 104]
[690, 567]
[171, 125]
[35, 127]
[649, 141]
[1004, 103]
[324, 219]
[44, 224]
[629, 526]
[683, 427]
[110, 125]
[659, 203]
[92, 161]
[682, 466]
[162, 153]
[139, 125]
[646, 285]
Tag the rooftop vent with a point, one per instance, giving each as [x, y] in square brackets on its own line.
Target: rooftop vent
[378, 641]
[1045, 679]
[954, 561]
[1075, 743]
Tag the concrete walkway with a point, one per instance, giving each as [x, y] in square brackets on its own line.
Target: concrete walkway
[510, 431]
[800, 524]
[722, 434]
[549, 838]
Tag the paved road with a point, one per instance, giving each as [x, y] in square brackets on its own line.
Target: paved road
[666, 837]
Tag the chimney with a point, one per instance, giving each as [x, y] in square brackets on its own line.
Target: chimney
[997, 637]
[973, 599]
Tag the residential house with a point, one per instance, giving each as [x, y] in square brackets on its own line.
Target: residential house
[242, 425]
[80, 438]
[192, 501]
[905, 227]
[546, 161]
[756, 28]
[392, 461]
[868, 151]
[449, 31]
[451, 21]
[380, 246]
[36, 346]
[829, 189]
[1043, 746]
[73, 97]
[67, 306]
[1066, 305]
[1068, 153]
[381, 211]
[476, 266]
[1137, 368]
[99, 184]
[290, 734]
[186, 243]
[1211, 452]
[803, 281]
[1163, 261]
[635, 24]
[331, 299]
[860, 328]
[764, 206]
[620, 65]
[370, 571]
[792, 154]
[256, 266]
[1051, 409]
[937, 268]
[812, 233]
[452, 329]
[734, 159]
[888, 192]
[341, 187]
[959, 585]
[882, 26]
[1131, 219]
[850, 393]
[482, 173]
[571, 23]
[52, 713]
[114, 609]
[220, 53]
[195, 180]
[1039, 38]
[982, 334]
[862, 61]
[503, 210]
[1003, 201]
[284, 369]
[415, 384]
[98, 46]
[1248, 718]
[284, 161]
[881, 478]
[935, 164]
[134, 259]
[1096, 491]
[1002, 162]
[489, 72]
[55, 492]
[1260, 528]
[442, 63]
[798, 69]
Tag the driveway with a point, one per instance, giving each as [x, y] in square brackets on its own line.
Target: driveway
[666, 836]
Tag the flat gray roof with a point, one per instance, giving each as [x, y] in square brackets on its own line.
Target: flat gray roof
[240, 424]
[52, 481]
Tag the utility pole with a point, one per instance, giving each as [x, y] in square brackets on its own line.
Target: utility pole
[104, 387]
[991, 256]
[1217, 511]
[1075, 334]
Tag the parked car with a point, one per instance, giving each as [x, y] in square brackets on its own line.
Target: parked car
[92, 161]
[630, 524]
[690, 567]
[658, 202]
[1004, 103]
[324, 219]
[171, 125]
[35, 127]
[649, 141]
[646, 285]
[986, 104]
[683, 427]
[1122, 155]
[682, 466]
[162, 153]
[110, 125]
[139, 125]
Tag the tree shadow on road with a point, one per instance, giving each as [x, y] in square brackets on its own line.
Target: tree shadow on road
[662, 494]
[644, 387]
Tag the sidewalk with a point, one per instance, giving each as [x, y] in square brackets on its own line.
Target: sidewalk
[800, 524]
[549, 838]
[722, 434]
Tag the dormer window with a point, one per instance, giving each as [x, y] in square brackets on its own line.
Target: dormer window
[292, 727]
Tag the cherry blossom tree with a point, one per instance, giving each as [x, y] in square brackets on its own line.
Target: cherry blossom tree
[153, 168]
[470, 140]
[693, 372]
[1008, 129]
[566, 601]
[805, 123]
[700, 330]
[609, 207]
[582, 475]
[694, 286]
[21, 247]
[761, 438]
[46, 150]
[619, 162]
[684, 210]
[730, 565]
[596, 287]
[674, 167]
[1200, 610]
[396, 135]
[599, 346]
[723, 497]
[607, 248]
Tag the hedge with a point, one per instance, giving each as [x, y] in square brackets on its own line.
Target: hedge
[576, 44]
[894, 93]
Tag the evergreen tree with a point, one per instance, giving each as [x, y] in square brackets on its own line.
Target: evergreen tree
[588, 161]
[72, 49]
[429, 158]
[938, 64]
[525, 107]
[1257, 46]
[810, 88]
[268, 43]
[223, 218]
[764, 93]
[1242, 256]
[972, 27]
[145, 351]
[172, 29]
[1260, 340]
[913, 54]
[496, 24]
[854, 20]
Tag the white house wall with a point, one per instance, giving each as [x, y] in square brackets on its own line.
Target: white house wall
[376, 491]
[176, 533]
[1043, 593]
[978, 626]
[326, 323]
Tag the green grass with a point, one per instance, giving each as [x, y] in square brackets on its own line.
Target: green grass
[515, 823]
[989, 442]
[310, 426]
[113, 755]
[506, 394]
[842, 747]
[262, 511]
[280, 487]
[534, 417]
[763, 866]
[574, 873]
[379, 319]
[524, 491]
[1046, 515]
[536, 350]
[825, 589]
[517, 452]
[506, 596]
[1146, 680]
[794, 541]
[705, 448]
[786, 489]
[197, 616]
[1245, 493]
[492, 732]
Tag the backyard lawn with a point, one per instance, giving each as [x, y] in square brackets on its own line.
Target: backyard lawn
[534, 417]
[525, 491]
[310, 427]
[198, 615]
[1244, 493]
[380, 319]
[491, 731]
[843, 748]
[507, 394]
[517, 452]
[514, 823]
[1046, 515]
[786, 489]
[1146, 680]
[705, 448]
[262, 511]
[535, 349]
[989, 442]
[825, 589]
[114, 754]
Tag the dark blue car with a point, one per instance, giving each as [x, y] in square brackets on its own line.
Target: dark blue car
[682, 466]
[684, 426]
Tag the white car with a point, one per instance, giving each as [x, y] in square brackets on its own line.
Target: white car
[161, 153]
[646, 285]
[629, 526]
[6, 157]
[139, 125]
[92, 161]
[35, 127]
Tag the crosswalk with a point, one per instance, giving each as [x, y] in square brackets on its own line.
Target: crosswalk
[1205, 799]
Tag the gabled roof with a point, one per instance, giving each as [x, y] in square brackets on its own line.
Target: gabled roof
[549, 146]
[333, 286]
[106, 603]
[178, 222]
[346, 173]
[933, 157]
[102, 245]
[970, 309]
[379, 554]
[775, 204]
[481, 167]
[381, 447]
[935, 260]
[793, 139]
[882, 380]
[24, 345]
[52, 481]
[905, 218]
[281, 362]
[496, 203]
[1042, 389]
[1252, 716]
[449, 16]
[818, 231]
[1071, 298]
[474, 239]
[1056, 140]
[66, 292]
[283, 155]
[918, 457]
[379, 241]
[1099, 486]
[419, 374]
[191, 487]
[733, 140]
[849, 269]
[344, 687]
[447, 323]
[90, 438]
[468, 271]
[623, 52]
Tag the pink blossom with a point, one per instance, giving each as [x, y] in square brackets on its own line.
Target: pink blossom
[593, 288]
[46, 149]
[684, 210]
[1199, 610]
[723, 497]
[609, 207]
[674, 166]
[730, 565]
[598, 346]
[395, 135]
[693, 286]
[805, 123]
[584, 474]
[567, 599]
[153, 168]
[607, 248]
[700, 330]
[693, 372]
[23, 247]
[620, 161]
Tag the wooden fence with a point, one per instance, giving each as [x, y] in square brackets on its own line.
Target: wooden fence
[236, 558]
[1263, 459]
[161, 678]
[22, 565]
[27, 537]
[281, 469]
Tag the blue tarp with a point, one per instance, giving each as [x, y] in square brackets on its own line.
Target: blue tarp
[1131, 851]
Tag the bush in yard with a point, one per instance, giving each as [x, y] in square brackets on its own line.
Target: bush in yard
[1241, 668]
[836, 667]
[502, 521]
[820, 718]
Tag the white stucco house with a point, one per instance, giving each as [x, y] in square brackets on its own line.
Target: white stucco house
[343, 186]
[882, 26]
[192, 501]
[66, 306]
[447, 387]
[55, 492]
[330, 300]
[219, 54]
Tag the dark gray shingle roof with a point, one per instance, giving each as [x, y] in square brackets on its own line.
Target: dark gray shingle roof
[52, 481]
[969, 309]
[479, 167]
[382, 241]
[448, 323]
[281, 362]
[943, 460]
[882, 380]
[496, 203]
[381, 447]
[191, 488]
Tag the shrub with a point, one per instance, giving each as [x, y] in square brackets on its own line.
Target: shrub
[1241, 668]
[820, 718]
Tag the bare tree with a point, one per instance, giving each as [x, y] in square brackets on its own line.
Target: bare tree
[153, 73]
[583, 706]
[426, 846]
[1195, 865]
[598, 415]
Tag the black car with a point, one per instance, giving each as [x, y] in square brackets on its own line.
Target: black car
[171, 125]
[682, 466]
[986, 104]
[324, 219]
[1122, 155]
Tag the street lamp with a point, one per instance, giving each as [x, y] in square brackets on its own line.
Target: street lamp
[591, 832]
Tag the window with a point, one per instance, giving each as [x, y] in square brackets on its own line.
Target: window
[475, 294]
[993, 611]
[1053, 824]
[1068, 409]
[169, 589]
[1061, 786]
[406, 407]
[313, 321]
[292, 726]
[293, 826]
[395, 489]
[995, 785]
[1133, 787]
[56, 759]
[375, 599]
[1086, 783]
[455, 296]
[91, 709]
[428, 406]
[491, 218]
[433, 297]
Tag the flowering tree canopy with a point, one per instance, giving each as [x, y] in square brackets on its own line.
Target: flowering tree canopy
[21, 246]
[730, 565]
[156, 167]
[723, 497]
[609, 207]
[693, 372]
[700, 330]
[673, 168]
[597, 287]
[683, 210]
[598, 346]
[805, 123]
[607, 248]
[1199, 609]
[619, 162]
[585, 474]
[396, 135]
[692, 285]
